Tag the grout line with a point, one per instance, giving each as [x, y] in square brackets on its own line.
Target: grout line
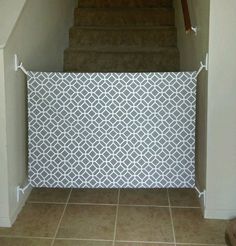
[134, 205]
[75, 203]
[105, 240]
[154, 206]
[117, 210]
[199, 244]
[171, 217]
[184, 207]
[113, 204]
[169, 243]
[146, 242]
[25, 237]
[45, 202]
[84, 239]
[93, 204]
[59, 223]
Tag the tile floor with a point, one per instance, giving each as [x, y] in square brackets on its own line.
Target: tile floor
[111, 217]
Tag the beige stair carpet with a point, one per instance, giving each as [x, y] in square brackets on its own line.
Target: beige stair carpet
[123, 36]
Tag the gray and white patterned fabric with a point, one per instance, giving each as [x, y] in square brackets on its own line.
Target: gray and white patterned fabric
[111, 130]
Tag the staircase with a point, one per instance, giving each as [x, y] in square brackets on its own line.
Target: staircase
[123, 36]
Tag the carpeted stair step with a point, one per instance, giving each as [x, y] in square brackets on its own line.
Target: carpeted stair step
[123, 36]
[162, 60]
[124, 16]
[124, 3]
[120, 38]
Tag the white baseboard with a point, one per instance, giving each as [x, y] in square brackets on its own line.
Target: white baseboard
[223, 214]
[20, 205]
[4, 213]
[9, 221]
[201, 199]
[202, 204]
[5, 222]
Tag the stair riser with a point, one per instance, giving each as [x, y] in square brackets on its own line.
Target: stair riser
[121, 39]
[121, 62]
[124, 3]
[124, 17]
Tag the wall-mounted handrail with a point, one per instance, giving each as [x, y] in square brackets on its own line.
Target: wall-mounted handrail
[187, 19]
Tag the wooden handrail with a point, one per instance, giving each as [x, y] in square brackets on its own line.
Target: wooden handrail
[187, 19]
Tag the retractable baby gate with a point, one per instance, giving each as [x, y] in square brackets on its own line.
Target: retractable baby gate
[111, 130]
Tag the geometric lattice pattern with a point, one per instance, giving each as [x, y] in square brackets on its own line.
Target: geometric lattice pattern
[113, 130]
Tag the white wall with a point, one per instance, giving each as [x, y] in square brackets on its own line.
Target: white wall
[39, 38]
[8, 21]
[193, 50]
[221, 146]
[216, 107]
[4, 200]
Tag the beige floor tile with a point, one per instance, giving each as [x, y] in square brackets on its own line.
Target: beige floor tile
[144, 224]
[38, 220]
[102, 196]
[88, 222]
[24, 242]
[81, 243]
[141, 244]
[49, 195]
[184, 198]
[144, 197]
[191, 227]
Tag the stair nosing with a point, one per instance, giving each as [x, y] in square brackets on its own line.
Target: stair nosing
[126, 8]
[118, 28]
[115, 25]
[135, 51]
